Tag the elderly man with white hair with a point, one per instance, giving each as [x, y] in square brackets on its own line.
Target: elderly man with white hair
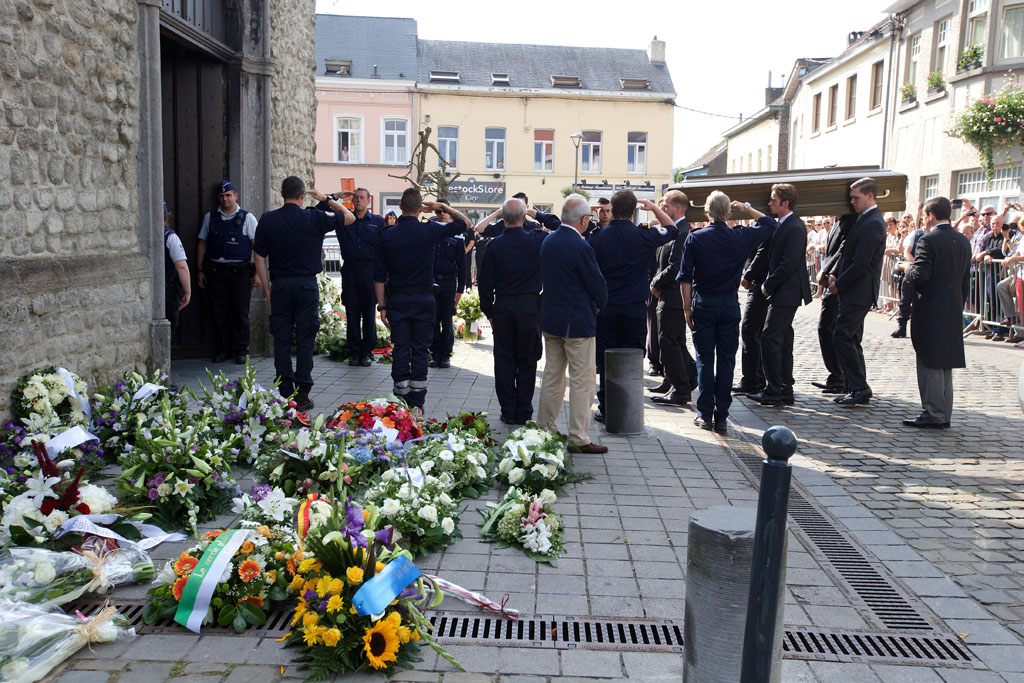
[574, 291]
[509, 281]
[709, 279]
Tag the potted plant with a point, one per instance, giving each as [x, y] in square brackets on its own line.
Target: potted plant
[469, 310]
[908, 91]
[970, 58]
[936, 83]
[993, 122]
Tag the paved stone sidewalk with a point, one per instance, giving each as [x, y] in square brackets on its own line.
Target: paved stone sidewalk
[942, 510]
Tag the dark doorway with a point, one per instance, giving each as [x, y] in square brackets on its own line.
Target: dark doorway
[195, 160]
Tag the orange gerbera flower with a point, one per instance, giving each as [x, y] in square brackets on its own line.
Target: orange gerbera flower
[388, 422]
[264, 531]
[346, 416]
[178, 587]
[185, 564]
[246, 548]
[249, 570]
[213, 534]
[253, 600]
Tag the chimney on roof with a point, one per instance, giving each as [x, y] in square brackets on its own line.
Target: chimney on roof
[656, 52]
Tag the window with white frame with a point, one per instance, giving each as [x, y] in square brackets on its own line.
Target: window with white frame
[448, 145]
[636, 152]
[544, 151]
[913, 59]
[348, 136]
[395, 141]
[973, 183]
[769, 155]
[931, 187]
[1013, 33]
[977, 23]
[941, 42]
[590, 152]
[494, 149]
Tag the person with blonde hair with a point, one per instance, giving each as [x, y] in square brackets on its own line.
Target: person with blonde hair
[709, 278]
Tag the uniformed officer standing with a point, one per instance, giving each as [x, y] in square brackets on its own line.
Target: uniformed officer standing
[624, 253]
[224, 254]
[177, 283]
[510, 284]
[490, 228]
[293, 239]
[407, 308]
[450, 278]
[358, 244]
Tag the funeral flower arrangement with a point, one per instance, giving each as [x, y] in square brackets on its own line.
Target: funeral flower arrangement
[526, 521]
[17, 456]
[304, 459]
[134, 401]
[535, 459]
[51, 395]
[378, 414]
[418, 506]
[469, 423]
[459, 463]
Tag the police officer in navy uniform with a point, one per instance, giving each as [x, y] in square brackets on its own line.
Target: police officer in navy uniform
[358, 244]
[224, 254]
[177, 282]
[293, 240]
[404, 284]
[510, 283]
[624, 253]
[489, 228]
[450, 280]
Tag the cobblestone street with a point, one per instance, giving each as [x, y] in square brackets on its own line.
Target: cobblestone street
[940, 511]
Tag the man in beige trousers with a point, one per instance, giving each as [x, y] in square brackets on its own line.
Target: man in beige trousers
[574, 291]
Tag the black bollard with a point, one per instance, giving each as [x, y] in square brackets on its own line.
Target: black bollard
[779, 443]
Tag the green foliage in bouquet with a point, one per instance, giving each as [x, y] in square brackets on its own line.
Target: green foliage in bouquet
[460, 462]
[468, 307]
[526, 521]
[535, 459]
[418, 506]
[42, 395]
[117, 415]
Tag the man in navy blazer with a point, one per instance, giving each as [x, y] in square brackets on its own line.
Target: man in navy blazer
[785, 288]
[574, 291]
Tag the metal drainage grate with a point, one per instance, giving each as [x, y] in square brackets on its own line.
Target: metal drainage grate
[869, 585]
[893, 648]
[278, 619]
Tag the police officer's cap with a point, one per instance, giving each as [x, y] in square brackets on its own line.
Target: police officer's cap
[226, 186]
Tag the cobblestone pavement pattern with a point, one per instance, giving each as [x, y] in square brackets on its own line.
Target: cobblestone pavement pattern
[943, 511]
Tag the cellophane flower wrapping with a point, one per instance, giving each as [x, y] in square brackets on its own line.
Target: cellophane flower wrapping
[534, 459]
[526, 521]
[35, 639]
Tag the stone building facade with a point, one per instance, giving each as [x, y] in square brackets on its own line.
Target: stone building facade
[83, 174]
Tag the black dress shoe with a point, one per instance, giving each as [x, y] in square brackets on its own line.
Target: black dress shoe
[834, 390]
[744, 389]
[444, 363]
[220, 357]
[924, 424]
[673, 398]
[662, 388]
[432, 364]
[702, 423]
[900, 332]
[508, 420]
[722, 426]
[366, 360]
[353, 361]
[854, 398]
[788, 399]
[655, 372]
[766, 399]
[240, 359]
[599, 417]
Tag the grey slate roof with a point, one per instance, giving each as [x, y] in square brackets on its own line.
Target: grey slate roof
[531, 66]
[390, 43]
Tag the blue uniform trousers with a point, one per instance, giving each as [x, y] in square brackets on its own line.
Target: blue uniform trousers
[619, 326]
[444, 309]
[294, 313]
[230, 288]
[716, 336]
[360, 307]
[517, 348]
[412, 322]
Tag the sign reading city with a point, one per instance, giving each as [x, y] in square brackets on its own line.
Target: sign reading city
[474, 191]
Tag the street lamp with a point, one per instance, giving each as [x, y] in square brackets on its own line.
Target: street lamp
[576, 138]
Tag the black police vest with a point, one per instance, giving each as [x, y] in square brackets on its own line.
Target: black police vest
[170, 272]
[226, 238]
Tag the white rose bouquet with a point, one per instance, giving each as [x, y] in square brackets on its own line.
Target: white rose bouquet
[535, 459]
[418, 506]
[53, 395]
[461, 463]
[526, 521]
[35, 639]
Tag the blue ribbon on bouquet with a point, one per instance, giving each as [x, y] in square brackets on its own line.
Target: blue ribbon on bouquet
[375, 595]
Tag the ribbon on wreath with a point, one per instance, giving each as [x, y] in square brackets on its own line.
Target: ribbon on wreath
[202, 582]
[375, 595]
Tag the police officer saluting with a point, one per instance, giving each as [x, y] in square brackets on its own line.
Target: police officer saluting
[225, 264]
[407, 304]
[450, 278]
[293, 240]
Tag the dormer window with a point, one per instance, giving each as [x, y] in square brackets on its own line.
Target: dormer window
[444, 77]
[566, 81]
[635, 83]
[338, 67]
[500, 79]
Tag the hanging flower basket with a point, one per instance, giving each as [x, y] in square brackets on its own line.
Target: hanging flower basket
[993, 122]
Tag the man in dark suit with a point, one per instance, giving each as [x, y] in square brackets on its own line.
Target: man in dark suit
[785, 288]
[941, 276]
[755, 310]
[574, 291]
[680, 367]
[835, 383]
[856, 280]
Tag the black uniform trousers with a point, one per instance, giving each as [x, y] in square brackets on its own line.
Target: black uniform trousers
[294, 314]
[517, 348]
[444, 309]
[777, 350]
[680, 367]
[230, 288]
[907, 296]
[755, 310]
[619, 326]
[172, 299]
[826, 330]
[412, 329]
[360, 302]
[847, 340]
[653, 338]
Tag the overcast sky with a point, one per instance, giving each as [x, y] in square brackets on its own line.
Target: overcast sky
[719, 52]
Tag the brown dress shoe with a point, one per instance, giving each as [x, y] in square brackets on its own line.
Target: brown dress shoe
[591, 448]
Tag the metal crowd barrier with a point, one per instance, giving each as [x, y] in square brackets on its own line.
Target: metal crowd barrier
[332, 259]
